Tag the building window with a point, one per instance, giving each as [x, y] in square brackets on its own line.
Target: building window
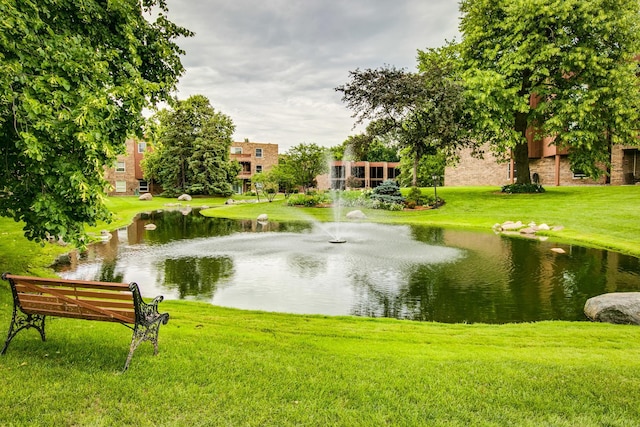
[143, 186]
[119, 166]
[357, 171]
[121, 186]
[578, 174]
[376, 172]
[258, 168]
[236, 150]
[142, 147]
[258, 152]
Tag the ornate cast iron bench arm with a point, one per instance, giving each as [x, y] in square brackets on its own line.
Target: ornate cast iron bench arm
[35, 298]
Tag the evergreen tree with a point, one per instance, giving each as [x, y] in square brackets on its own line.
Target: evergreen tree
[191, 154]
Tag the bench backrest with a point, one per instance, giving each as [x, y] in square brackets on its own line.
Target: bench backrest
[112, 302]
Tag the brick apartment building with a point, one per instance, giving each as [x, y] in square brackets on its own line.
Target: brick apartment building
[345, 174]
[549, 165]
[254, 157]
[126, 177]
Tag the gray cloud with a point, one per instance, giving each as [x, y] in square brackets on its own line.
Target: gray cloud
[272, 65]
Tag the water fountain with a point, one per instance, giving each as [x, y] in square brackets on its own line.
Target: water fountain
[337, 216]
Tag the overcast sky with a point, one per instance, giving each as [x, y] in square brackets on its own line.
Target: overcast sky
[272, 65]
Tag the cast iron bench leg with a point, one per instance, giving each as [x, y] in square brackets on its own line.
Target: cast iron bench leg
[145, 333]
[20, 321]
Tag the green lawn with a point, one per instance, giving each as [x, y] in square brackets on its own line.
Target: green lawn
[226, 367]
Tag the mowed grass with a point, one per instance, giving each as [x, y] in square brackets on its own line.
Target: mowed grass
[227, 367]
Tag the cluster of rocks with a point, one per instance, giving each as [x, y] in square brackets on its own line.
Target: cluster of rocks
[527, 230]
[182, 198]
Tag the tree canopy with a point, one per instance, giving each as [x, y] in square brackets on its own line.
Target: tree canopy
[303, 163]
[366, 147]
[424, 112]
[74, 79]
[565, 68]
[191, 150]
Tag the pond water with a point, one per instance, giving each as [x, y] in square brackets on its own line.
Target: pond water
[405, 272]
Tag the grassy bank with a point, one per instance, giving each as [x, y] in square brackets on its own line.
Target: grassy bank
[228, 367]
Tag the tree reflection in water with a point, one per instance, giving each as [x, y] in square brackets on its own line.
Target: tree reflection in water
[408, 272]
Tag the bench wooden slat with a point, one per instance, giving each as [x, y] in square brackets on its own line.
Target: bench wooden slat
[89, 306]
[71, 283]
[76, 312]
[46, 299]
[80, 293]
[80, 315]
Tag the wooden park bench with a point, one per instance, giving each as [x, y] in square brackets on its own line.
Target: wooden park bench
[35, 298]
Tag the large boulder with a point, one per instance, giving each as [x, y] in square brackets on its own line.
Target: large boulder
[356, 214]
[146, 196]
[617, 307]
[185, 198]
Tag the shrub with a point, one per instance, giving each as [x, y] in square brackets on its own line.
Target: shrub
[307, 200]
[351, 198]
[388, 192]
[416, 198]
[353, 182]
[523, 188]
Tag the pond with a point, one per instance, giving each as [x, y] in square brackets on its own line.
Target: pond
[400, 271]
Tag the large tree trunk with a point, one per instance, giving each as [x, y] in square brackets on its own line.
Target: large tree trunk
[521, 150]
[414, 178]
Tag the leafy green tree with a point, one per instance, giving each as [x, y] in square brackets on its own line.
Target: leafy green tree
[425, 112]
[304, 162]
[267, 184]
[283, 175]
[381, 152]
[565, 68]
[191, 154]
[368, 146]
[427, 167]
[74, 79]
